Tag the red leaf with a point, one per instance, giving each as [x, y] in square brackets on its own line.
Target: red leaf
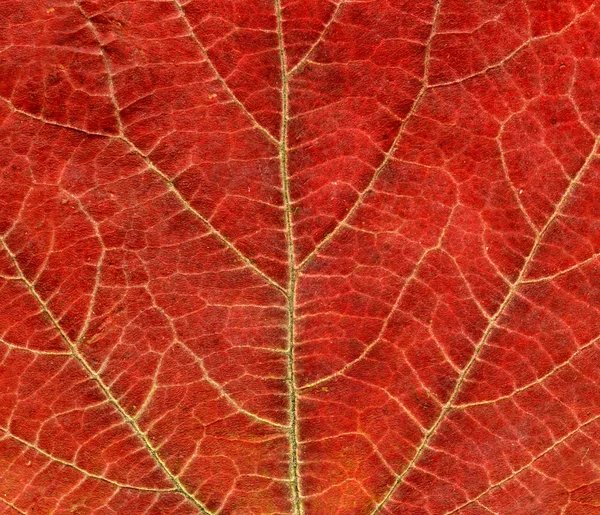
[302, 257]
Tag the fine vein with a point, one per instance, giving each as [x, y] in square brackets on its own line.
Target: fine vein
[294, 271]
[302, 61]
[152, 167]
[528, 465]
[424, 89]
[79, 469]
[12, 506]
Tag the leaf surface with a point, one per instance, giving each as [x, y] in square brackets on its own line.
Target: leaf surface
[301, 257]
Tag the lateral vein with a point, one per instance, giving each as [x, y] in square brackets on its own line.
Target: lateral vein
[95, 377]
[449, 406]
[86, 473]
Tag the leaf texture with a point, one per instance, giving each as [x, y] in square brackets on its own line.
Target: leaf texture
[300, 257]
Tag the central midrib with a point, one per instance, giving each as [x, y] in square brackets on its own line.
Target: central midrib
[291, 286]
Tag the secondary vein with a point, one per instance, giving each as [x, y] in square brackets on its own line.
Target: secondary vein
[179, 487]
[220, 78]
[449, 406]
[153, 168]
[387, 155]
[79, 469]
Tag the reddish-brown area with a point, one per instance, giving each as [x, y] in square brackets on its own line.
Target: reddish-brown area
[300, 257]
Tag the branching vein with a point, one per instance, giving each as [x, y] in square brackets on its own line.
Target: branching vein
[388, 155]
[313, 47]
[220, 78]
[449, 406]
[96, 378]
[79, 469]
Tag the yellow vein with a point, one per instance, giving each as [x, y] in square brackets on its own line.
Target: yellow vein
[291, 291]
[520, 48]
[388, 155]
[526, 466]
[152, 167]
[511, 185]
[14, 109]
[386, 321]
[10, 505]
[220, 78]
[88, 368]
[33, 351]
[188, 207]
[564, 271]
[309, 52]
[230, 400]
[83, 471]
[168, 182]
[200, 362]
[492, 324]
[532, 384]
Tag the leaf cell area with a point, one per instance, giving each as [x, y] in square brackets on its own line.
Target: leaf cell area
[299, 257]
